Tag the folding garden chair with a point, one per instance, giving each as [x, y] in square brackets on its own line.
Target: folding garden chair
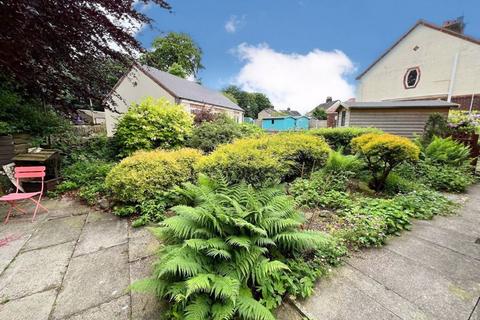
[12, 198]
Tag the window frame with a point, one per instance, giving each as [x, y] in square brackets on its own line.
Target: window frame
[405, 77]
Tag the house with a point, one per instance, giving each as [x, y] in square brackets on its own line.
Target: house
[405, 118]
[285, 123]
[91, 116]
[428, 62]
[327, 104]
[143, 81]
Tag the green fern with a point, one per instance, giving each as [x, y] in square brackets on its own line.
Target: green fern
[222, 245]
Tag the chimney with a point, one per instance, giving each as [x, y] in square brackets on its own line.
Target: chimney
[329, 99]
[456, 25]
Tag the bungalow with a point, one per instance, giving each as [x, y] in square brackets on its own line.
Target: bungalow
[405, 118]
[285, 123]
[143, 81]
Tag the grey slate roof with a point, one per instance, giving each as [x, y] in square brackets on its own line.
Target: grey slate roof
[189, 90]
[401, 104]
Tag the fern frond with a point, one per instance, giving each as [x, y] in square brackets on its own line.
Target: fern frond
[239, 241]
[250, 309]
[223, 311]
[198, 309]
[182, 227]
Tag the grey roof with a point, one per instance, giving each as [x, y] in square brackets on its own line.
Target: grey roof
[401, 104]
[291, 112]
[185, 89]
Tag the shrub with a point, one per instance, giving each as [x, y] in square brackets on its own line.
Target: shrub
[266, 160]
[86, 176]
[382, 152]
[395, 184]
[446, 151]
[208, 135]
[445, 177]
[340, 137]
[153, 124]
[424, 204]
[337, 162]
[150, 174]
[223, 250]
[436, 125]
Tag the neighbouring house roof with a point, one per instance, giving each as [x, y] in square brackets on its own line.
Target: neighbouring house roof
[188, 90]
[426, 24]
[291, 112]
[399, 104]
[284, 117]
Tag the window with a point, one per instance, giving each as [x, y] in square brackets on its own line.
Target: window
[273, 121]
[411, 78]
[344, 116]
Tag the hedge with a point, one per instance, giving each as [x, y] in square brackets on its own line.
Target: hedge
[340, 138]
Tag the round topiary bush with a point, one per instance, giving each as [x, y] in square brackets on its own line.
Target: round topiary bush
[382, 153]
[267, 159]
[148, 174]
[153, 124]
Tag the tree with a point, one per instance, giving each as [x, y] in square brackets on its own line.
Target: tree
[251, 102]
[319, 113]
[382, 153]
[54, 48]
[177, 70]
[174, 48]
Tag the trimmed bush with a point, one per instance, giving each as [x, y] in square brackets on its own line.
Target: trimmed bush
[153, 124]
[210, 134]
[340, 138]
[267, 159]
[382, 152]
[150, 174]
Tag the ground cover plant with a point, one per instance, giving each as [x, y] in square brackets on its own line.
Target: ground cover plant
[226, 251]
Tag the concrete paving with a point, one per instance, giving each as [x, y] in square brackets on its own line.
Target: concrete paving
[432, 272]
[74, 263]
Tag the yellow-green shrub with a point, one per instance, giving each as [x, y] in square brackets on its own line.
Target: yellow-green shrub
[382, 152]
[153, 124]
[147, 174]
[267, 159]
[340, 137]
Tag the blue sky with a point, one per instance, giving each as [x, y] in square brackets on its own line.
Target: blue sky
[297, 39]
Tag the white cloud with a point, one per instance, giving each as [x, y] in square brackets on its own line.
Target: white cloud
[294, 80]
[234, 23]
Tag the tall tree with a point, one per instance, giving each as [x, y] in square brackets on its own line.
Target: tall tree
[174, 48]
[251, 102]
[54, 48]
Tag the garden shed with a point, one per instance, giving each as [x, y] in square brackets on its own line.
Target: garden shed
[405, 118]
[285, 123]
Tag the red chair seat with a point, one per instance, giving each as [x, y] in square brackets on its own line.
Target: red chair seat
[19, 196]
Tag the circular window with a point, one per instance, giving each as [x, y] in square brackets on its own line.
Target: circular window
[411, 78]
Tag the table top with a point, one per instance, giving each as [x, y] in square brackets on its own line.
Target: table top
[41, 156]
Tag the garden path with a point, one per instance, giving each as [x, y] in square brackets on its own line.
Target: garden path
[73, 263]
[432, 272]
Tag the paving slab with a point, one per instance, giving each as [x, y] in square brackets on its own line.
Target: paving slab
[15, 237]
[453, 265]
[456, 224]
[476, 312]
[93, 279]
[337, 298]
[56, 231]
[35, 271]
[141, 243]
[450, 239]
[101, 231]
[117, 309]
[426, 288]
[34, 307]
[64, 207]
[145, 306]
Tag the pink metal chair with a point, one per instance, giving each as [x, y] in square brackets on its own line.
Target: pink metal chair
[12, 198]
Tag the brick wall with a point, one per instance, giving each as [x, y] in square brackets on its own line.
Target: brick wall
[331, 121]
[464, 101]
